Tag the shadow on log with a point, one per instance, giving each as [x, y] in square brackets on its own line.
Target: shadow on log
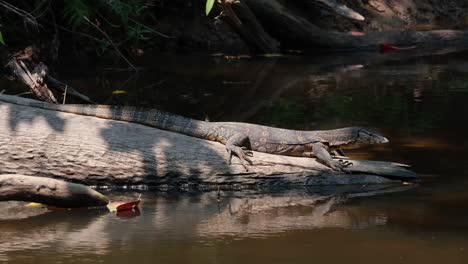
[14, 187]
[100, 152]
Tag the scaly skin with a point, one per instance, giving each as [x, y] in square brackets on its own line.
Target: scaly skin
[239, 138]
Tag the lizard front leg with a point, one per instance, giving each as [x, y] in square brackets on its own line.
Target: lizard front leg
[320, 151]
[343, 158]
[236, 144]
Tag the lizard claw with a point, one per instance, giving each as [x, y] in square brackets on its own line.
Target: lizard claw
[336, 166]
[340, 165]
[247, 152]
[242, 153]
[345, 163]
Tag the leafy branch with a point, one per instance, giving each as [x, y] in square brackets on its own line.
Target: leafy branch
[2, 41]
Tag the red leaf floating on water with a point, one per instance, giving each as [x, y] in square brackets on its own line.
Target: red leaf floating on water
[127, 206]
[357, 33]
[387, 48]
[122, 206]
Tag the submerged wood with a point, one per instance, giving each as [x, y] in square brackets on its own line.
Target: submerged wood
[98, 151]
[15, 187]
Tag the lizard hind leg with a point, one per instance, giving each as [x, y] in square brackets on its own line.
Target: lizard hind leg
[236, 144]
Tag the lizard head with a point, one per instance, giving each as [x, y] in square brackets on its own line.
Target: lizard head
[366, 136]
[358, 136]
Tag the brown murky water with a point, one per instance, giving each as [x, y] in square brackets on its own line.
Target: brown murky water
[420, 102]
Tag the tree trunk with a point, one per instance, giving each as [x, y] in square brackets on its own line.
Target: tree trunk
[239, 16]
[15, 187]
[105, 152]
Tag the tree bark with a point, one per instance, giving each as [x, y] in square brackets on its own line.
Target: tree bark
[106, 152]
[239, 16]
[342, 9]
[15, 187]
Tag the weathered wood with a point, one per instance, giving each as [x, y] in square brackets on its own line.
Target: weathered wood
[15, 187]
[25, 65]
[105, 152]
[34, 80]
[342, 9]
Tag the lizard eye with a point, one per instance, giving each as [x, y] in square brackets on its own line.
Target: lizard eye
[363, 135]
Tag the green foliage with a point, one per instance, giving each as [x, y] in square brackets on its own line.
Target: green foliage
[126, 9]
[76, 11]
[138, 32]
[127, 12]
[113, 16]
[2, 41]
[209, 6]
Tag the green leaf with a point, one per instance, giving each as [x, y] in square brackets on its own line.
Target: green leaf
[209, 6]
[1, 39]
[76, 11]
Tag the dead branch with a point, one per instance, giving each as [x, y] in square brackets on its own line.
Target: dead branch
[35, 80]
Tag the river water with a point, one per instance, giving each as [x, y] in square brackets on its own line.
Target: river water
[418, 100]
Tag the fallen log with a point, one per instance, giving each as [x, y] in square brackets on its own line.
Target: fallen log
[15, 187]
[100, 152]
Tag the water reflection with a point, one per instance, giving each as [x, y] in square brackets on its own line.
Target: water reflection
[266, 216]
[179, 218]
[64, 230]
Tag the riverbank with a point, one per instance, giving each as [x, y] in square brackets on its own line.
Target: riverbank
[177, 27]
